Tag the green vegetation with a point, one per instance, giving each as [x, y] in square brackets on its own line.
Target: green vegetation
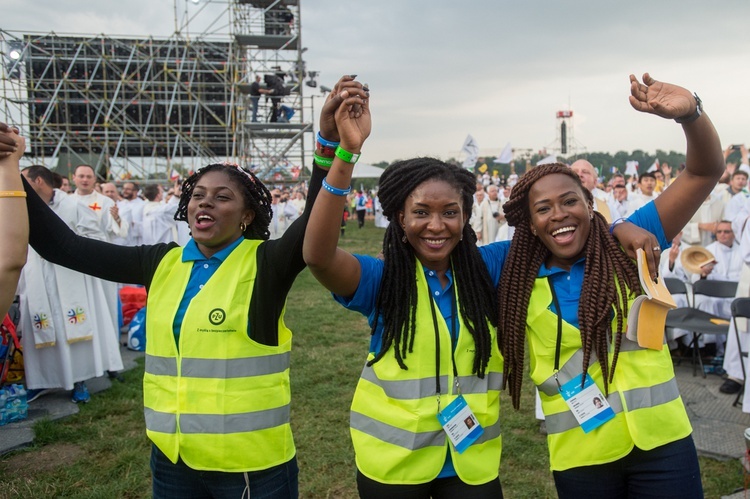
[103, 452]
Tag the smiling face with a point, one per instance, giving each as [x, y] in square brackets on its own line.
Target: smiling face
[560, 218]
[215, 211]
[433, 220]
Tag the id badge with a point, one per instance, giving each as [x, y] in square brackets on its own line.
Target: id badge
[588, 404]
[460, 423]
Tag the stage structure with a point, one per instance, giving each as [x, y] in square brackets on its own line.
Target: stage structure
[141, 107]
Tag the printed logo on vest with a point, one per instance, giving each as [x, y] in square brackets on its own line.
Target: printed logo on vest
[217, 316]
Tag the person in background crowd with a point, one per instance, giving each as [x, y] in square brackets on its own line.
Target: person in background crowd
[68, 334]
[14, 223]
[158, 216]
[587, 173]
[110, 190]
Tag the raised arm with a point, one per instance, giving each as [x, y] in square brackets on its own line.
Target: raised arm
[14, 222]
[336, 269]
[705, 162]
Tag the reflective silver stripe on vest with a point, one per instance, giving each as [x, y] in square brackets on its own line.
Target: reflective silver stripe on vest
[564, 421]
[234, 423]
[409, 440]
[650, 396]
[472, 384]
[161, 366]
[235, 368]
[396, 436]
[568, 371]
[219, 368]
[406, 389]
[162, 422]
[413, 389]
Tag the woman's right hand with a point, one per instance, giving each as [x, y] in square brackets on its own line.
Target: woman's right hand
[353, 119]
[328, 129]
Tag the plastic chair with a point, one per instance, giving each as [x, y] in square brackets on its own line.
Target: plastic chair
[740, 309]
[698, 321]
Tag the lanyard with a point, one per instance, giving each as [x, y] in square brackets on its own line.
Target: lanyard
[437, 346]
[558, 342]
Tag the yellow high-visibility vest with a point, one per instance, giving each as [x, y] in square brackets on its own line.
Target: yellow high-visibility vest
[220, 401]
[395, 431]
[644, 396]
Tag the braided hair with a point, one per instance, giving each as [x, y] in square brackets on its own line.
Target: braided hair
[397, 300]
[256, 196]
[607, 268]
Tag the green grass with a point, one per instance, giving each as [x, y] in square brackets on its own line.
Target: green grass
[103, 452]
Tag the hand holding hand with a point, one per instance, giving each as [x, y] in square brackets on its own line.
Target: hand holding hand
[12, 145]
[353, 118]
[327, 127]
[662, 99]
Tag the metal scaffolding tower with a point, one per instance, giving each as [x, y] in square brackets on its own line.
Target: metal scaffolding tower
[141, 107]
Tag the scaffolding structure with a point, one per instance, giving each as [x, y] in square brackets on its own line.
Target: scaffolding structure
[143, 107]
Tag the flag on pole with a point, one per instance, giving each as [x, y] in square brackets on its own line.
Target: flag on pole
[654, 166]
[631, 168]
[174, 175]
[471, 149]
[506, 156]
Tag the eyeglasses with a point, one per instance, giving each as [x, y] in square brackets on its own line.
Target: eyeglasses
[277, 195]
[723, 231]
[619, 186]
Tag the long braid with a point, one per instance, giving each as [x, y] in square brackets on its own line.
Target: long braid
[607, 276]
[256, 196]
[397, 300]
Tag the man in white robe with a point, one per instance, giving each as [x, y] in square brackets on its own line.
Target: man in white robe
[67, 332]
[728, 267]
[159, 225]
[133, 205]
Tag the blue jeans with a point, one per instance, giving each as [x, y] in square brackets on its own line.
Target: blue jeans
[178, 480]
[669, 471]
[254, 101]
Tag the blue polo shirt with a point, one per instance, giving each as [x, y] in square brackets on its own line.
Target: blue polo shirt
[203, 269]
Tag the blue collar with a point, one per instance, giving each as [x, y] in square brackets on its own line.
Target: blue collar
[544, 271]
[191, 253]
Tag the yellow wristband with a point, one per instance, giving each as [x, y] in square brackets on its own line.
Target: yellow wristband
[12, 194]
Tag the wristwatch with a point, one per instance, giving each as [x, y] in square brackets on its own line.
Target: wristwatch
[692, 117]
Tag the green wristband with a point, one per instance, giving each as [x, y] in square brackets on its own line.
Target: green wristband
[347, 156]
[322, 161]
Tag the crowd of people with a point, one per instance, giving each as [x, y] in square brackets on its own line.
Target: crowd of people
[472, 271]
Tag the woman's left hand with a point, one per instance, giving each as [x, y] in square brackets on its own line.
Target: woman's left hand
[659, 98]
[631, 238]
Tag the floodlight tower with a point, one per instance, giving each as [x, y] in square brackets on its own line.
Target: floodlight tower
[564, 130]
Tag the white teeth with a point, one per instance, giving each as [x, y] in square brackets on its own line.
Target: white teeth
[564, 229]
[204, 217]
[435, 241]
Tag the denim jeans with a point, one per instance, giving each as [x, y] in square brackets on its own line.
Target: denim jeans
[669, 471]
[440, 488]
[180, 481]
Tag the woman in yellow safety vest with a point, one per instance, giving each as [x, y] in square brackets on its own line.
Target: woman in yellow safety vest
[425, 415]
[566, 289]
[216, 386]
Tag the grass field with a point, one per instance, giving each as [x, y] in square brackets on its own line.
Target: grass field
[103, 451]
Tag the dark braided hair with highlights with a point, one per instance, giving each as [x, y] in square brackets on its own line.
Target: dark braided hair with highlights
[256, 195]
[397, 299]
[607, 268]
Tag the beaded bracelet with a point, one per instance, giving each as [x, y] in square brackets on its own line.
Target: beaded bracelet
[327, 143]
[12, 194]
[335, 190]
[322, 161]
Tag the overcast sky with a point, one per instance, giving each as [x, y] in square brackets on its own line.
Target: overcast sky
[498, 70]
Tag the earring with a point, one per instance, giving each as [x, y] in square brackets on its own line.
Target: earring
[243, 227]
[403, 239]
[533, 231]
[591, 216]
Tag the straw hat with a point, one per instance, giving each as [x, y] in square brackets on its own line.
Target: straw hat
[693, 257]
